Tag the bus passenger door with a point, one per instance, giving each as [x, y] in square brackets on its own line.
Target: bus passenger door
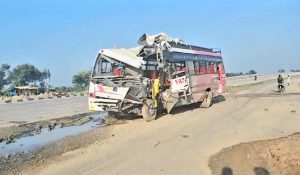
[198, 79]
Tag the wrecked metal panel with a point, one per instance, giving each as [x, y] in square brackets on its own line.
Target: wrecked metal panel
[128, 56]
[196, 52]
[149, 40]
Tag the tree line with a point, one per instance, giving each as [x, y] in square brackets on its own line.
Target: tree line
[23, 75]
[28, 74]
[80, 82]
[292, 70]
[251, 72]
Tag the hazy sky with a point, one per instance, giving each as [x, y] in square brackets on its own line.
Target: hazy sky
[64, 36]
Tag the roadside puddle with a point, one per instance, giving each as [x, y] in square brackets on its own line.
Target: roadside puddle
[33, 140]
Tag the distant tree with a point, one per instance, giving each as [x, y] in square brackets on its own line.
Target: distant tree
[61, 89]
[4, 70]
[27, 73]
[295, 70]
[281, 71]
[44, 75]
[81, 80]
[251, 72]
[234, 74]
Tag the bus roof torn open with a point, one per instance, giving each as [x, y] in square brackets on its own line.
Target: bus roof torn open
[133, 56]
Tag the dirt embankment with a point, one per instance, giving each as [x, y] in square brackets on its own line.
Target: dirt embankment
[276, 156]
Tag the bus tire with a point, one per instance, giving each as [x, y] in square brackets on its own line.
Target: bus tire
[207, 101]
[111, 114]
[148, 111]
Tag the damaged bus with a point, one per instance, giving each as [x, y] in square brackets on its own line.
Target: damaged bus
[158, 75]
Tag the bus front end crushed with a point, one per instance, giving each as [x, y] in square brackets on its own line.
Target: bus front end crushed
[106, 98]
[121, 95]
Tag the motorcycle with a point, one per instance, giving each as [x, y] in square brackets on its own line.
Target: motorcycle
[281, 88]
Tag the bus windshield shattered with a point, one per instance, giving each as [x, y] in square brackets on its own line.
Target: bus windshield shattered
[156, 76]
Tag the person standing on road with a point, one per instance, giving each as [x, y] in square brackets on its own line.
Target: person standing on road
[155, 89]
[288, 80]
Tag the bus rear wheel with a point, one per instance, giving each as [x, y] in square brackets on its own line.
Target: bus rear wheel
[148, 111]
[207, 101]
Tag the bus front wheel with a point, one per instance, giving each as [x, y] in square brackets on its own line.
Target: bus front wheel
[149, 112]
[207, 101]
[112, 114]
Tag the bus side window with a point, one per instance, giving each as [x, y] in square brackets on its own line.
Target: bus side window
[180, 66]
[214, 68]
[106, 67]
[210, 67]
[203, 67]
[191, 68]
[196, 67]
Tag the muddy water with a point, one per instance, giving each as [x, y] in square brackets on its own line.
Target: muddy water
[34, 140]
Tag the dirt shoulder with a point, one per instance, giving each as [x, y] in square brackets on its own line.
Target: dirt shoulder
[276, 156]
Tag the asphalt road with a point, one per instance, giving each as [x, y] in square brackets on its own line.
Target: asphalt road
[30, 111]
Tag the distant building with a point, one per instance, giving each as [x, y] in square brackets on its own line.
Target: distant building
[25, 90]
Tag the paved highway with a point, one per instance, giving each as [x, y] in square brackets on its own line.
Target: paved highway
[30, 111]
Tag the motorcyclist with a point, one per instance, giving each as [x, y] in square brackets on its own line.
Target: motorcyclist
[280, 81]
